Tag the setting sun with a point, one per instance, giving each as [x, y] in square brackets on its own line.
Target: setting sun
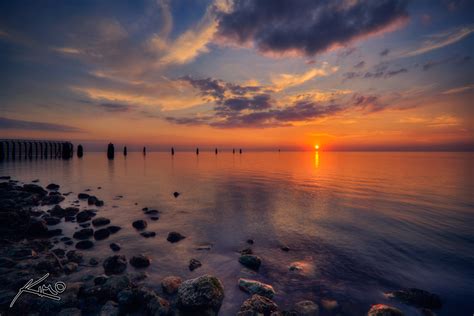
[316, 147]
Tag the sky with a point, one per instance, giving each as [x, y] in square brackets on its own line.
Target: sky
[262, 74]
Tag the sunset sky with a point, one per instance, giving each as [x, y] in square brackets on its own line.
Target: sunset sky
[347, 75]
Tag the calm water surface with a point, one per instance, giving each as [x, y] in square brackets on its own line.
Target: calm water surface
[358, 224]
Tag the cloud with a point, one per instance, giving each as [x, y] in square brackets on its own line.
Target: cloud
[378, 71]
[359, 65]
[456, 60]
[385, 52]
[306, 27]
[6, 123]
[442, 39]
[459, 89]
[284, 81]
[115, 107]
[392, 73]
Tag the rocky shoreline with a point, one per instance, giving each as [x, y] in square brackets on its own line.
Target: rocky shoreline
[30, 248]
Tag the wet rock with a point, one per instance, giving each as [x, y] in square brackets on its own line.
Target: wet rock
[148, 234]
[6, 262]
[202, 296]
[54, 232]
[246, 251]
[109, 289]
[258, 305]
[139, 224]
[417, 297]
[84, 244]
[70, 311]
[93, 261]
[101, 279]
[36, 189]
[115, 247]
[109, 309]
[250, 261]
[194, 264]
[85, 215]
[171, 284]
[140, 261]
[154, 218]
[70, 211]
[52, 199]
[176, 194]
[256, 287]
[85, 225]
[115, 264]
[142, 301]
[70, 267]
[329, 304]
[285, 248]
[57, 211]
[52, 186]
[37, 228]
[101, 234]
[151, 212]
[59, 252]
[5, 178]
[175, 237]
[69, 218]
[113, 229]
[91, 200]
[250, 241]
[51, 220]
[83, 196]
[74, 256]
[83, 234]
[307, 308]
[99, 203]
[384, 310]
[100, 221]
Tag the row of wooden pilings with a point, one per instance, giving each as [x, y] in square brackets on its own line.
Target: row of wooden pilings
[28, 149]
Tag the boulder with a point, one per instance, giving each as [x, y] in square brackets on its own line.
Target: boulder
[57, 211]
[101, 234]
[140, 261]
[115, 264]
[250, 261]
[52, 199]
[84, 216]
[171, 284]
[384, 310]
[256, 287]
[113, 229]
[139, 224]
[84, 233]
[83, 196]
[37, 228]
[35, 189]
[110, 308]
[84, 244]
[258, 305]
[100, 221]
[52, 186]
[201, 296]
[175, 237]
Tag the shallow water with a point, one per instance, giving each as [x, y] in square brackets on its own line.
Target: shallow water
[359, 224]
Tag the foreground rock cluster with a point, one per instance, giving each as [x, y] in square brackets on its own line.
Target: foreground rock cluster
[31, 247]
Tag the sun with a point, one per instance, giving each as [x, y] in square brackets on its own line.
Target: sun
[316, 147]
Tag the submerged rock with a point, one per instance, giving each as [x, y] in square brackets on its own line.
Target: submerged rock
[148, 234]
[176, 194]
[175, 237]
[140, 261]
[384, 310]
[85, 215]
[100, 221]
[84, 233]
[417, 297]
[52, 186]
[113, 229]
[194, 264]
[250, 261]
[74, 256]
[171, 284]
[258, 305]
[101, 234]
[115, 264]
[201, 296]
[139, 224]
[83, 196]
[115, 246]
[37, 228]
[256, 287]
[84, 244]
[307, 308]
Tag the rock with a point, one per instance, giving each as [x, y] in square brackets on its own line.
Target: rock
[115, 246]
[70, 267]
[285, 248]
[59, 252]
[250, 241]
[176, 194]
[171, 284]
[109, 309]
[57, 211]
[83, 196]
[194, 264]
[100, 221]
[70, 311]
[8, 178]
[113, 229]
[85, 225]
[151, 212]
[175, 237]
[148, 234]
[37, 228]
[417, 297]
[51, 220]
[91, 200]
[36, 189]
[107, 290]
[154, 218]
[250, 261]
[202, 295]
[101, 279]
[84, 233]
[246, 251]
[52, 199]
[139, 224]
[142, 301]
[85, 215]
[329, 304]
[307, 308]
[70, 211]
[258, 305]
[93, 261]
[52, 186]
[115, 264]
[54, 232]
[74, 256]
[101, 234]
[256, 287]
[384, 310]
[99, 203]
[84, 244]
[140, 261]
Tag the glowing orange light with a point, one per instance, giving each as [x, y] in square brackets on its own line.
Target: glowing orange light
[316, 147]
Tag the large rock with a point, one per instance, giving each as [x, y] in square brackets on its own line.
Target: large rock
[84, 233]
[175, 237]
[139, 224]
[37, 228]
[307, 308]
[418, 298]
[52, 199]
[101, 234]
[140, 261]
[36, 189]
[52, 186]
[84, 244]
[142, 301]
[258, 305]
[113, 229]
[200, 296]
[250, 261]
[115, 264]
[85, 215]
[100, 221]
[384, 310]
[171, 284]
[256, 287]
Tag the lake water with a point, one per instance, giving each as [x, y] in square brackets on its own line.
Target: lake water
[358, 224]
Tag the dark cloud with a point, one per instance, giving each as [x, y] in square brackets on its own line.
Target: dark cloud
[378, 71]
[306, 26]
[115, 107]
[369, 103]
[385, 52]
[455, 60]
[6, 123]
[359, 65]
[392, 73]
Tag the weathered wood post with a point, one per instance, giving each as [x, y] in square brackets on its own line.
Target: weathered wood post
[7, 151]
[125, 151]
[30, 150]
[233, 150]
[110, 151]
[144, 151]
[197, 151]
[45, 153]
[19, 150]
[80, 151]
[36, 149]
[216, 151]
[240, 150]
[13, 150]
[41, 149]
[2, 154]
[172, 151]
